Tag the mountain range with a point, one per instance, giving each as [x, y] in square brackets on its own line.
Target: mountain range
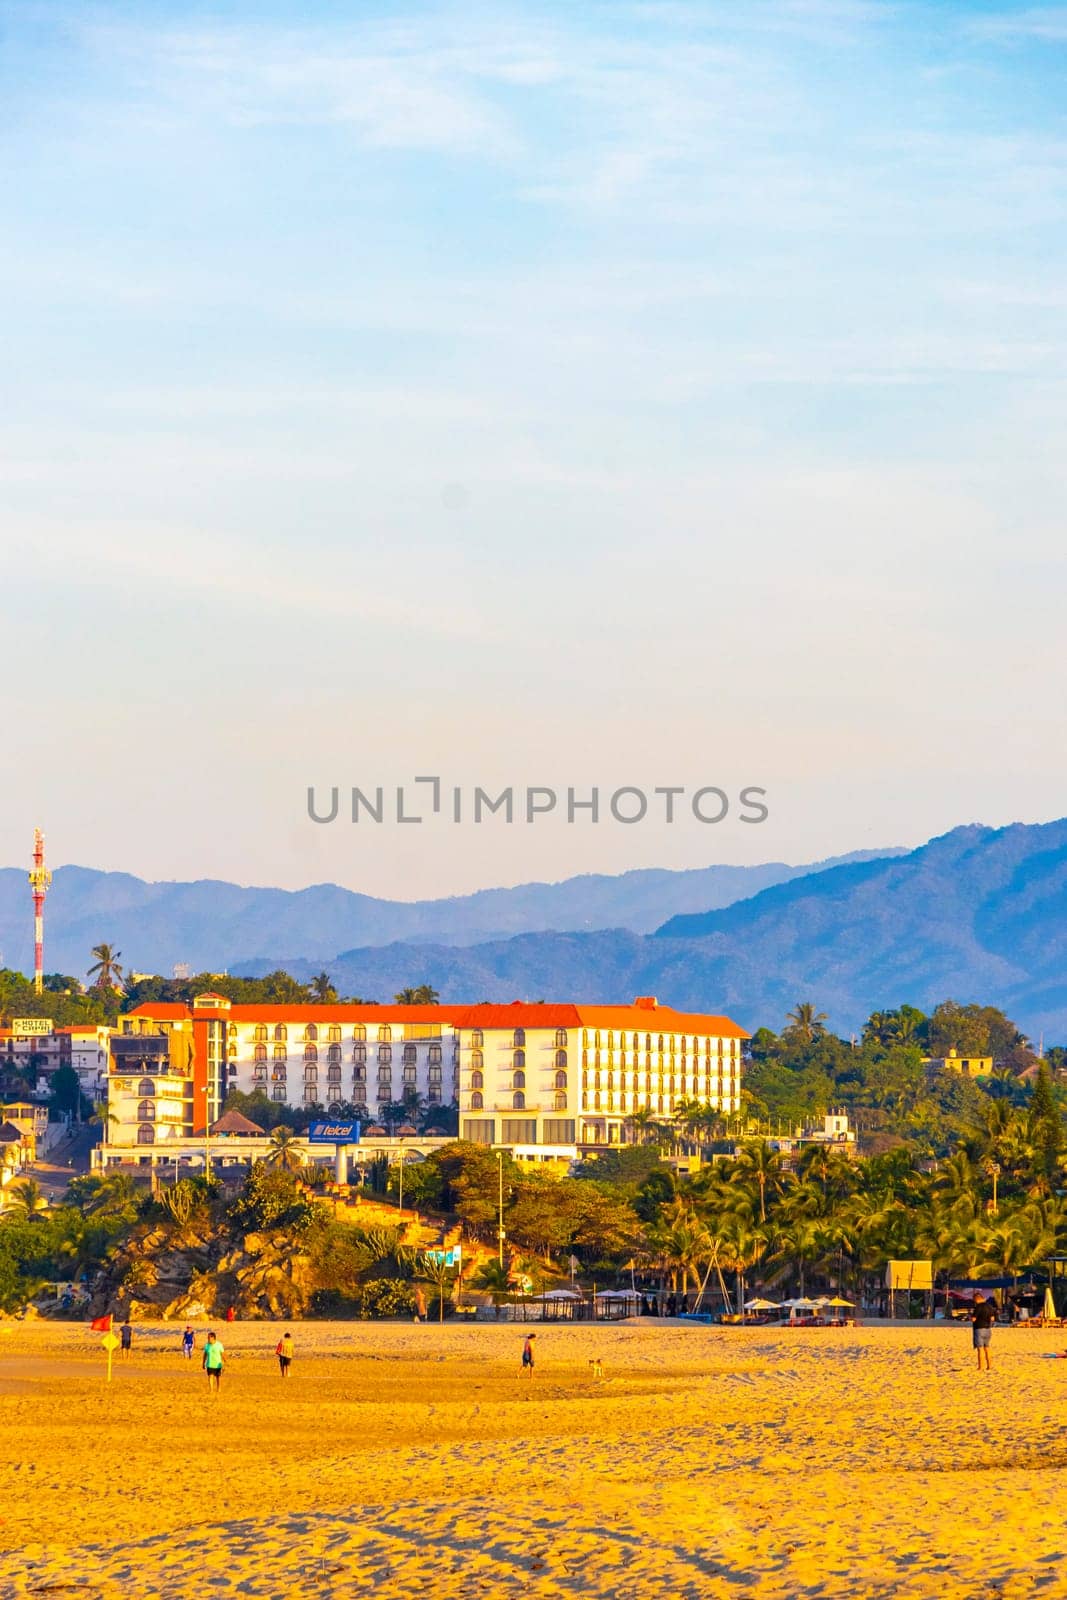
[978, 914]
[215, 926]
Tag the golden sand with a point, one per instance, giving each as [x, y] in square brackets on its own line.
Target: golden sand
[416, 1461]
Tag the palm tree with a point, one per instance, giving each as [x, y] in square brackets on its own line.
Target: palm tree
[106, 967]
[495, 1279]
[805, 1023]
[433, 1268]
[423, 995]
[739, 1247]
[322, 990]
[283, 1152]
[759, 1167]
[642, 1125]
[28, 1199]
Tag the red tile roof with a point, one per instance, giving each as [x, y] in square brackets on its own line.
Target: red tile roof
[646, 1017]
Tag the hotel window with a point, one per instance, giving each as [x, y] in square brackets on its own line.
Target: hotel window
[385, 1055]
[476, 1101]
[409, 1076]
[585, 1036]
[311, 1052]
[477, 1038]
[260, 1051]
[477, 1059]
[311, 1096]
[280, 1053]
[433, 1094]
[146, 1086]
[311, 1074]
[518, 1101]
[280, 1031]
[518, 1059]
[434, 1075]
[596, 1101]
[359, 1074]
[385, 1078]
[334, 1033]
[278, 1094]
[359, 1095]
[433, 1055]
[519, 1040]
[146, 1111]
[561, 1038]
[561, 1080]
[561, 1100]
[518, 1080]
[359, 1052]
[385, 1034]
[333, 1074]
[410, 1055]
[260, 1034]
[146, 1135]
[333, 1053]
[596, 1038]
[231, 1050]
[477, 1081]
[561, 1058]
[311, 1032]
[359, 1031]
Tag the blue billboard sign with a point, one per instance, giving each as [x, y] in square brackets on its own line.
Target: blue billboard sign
[333, 1133]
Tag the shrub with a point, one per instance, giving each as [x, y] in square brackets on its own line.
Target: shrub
[387, 1297]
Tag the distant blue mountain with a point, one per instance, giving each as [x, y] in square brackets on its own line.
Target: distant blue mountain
[978, 914]
[211, 925]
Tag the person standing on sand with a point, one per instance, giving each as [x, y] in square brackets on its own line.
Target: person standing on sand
[188, 1341]
[528, 1355]
[284, 1352]
[212, 1363]
[125, 1341]
[982, 1319]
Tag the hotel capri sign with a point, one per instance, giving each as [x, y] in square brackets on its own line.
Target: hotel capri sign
[28, 1025]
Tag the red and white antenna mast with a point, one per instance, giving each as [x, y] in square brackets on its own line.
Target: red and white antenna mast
[40, 878]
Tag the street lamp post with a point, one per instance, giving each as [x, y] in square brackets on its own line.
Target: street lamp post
[993, 1168]
[500, 1207]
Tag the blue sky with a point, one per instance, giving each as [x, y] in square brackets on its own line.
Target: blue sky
[604, 394]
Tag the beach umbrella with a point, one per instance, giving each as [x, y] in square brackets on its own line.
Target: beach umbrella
[800, 1304]
[837, 1301]
[1048, 1310]
[761, 1305]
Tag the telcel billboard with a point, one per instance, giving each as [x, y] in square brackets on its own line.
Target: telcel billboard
[333, 1133]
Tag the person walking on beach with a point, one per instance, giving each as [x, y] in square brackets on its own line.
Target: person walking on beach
[212, 1363]
[982, 1319]
[528, 1355]
[125, 1341]
[188, 1341]
[284, 1352]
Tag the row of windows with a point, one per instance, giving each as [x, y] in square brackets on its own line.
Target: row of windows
[313, 1033]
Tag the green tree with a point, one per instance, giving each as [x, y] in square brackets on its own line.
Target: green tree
[284, 1152]
[105, 971]
[322, 991]
[805, 1023]
[424, 994]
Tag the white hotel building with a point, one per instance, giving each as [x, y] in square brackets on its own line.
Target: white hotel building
[542, 1079]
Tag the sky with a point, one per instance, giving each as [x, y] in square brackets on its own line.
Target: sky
[602, 395]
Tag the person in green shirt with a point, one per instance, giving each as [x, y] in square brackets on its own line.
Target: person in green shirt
[213, 1353]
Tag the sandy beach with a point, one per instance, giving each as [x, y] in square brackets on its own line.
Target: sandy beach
[415, 1461]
